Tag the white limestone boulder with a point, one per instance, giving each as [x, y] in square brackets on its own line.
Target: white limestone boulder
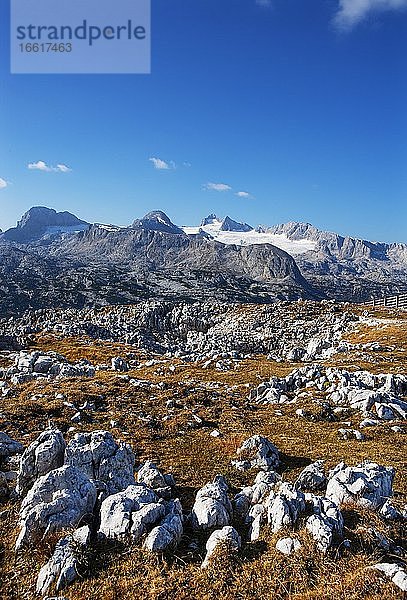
[395, 572]
[45, 454]
[212, 507]
[288, 545]
[57, 500]
[63, 568]
[257, 452]
[167, 534]
[285, 507]
[152, 477]
[129, 513]
[102, 459]
[368, 484]
[227, 538]
[312, 477]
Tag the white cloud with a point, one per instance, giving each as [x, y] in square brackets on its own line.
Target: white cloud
[264, 3]
[244, 195]
[217, 187]
[63, 168]
[162, 165]
[40, 165]
[352, 12]
[3, 183]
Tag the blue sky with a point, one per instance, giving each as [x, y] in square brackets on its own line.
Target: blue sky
[300, 104]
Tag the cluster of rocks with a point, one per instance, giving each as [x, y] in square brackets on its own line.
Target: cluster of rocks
[284, 505]
[28, 366]
[378, 397]
[281, 504]
[34, 365]
[89, 487]
[301, 330]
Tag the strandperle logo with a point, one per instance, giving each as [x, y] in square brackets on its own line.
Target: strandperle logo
[89, 33]
[80, 36]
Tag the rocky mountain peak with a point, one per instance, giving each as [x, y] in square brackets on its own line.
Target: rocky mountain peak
[41, 221]
[37, 214]
[229, 224]
[294, 230]
[157, 220]
[210, 220]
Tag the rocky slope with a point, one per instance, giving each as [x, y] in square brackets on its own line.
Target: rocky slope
[348, 268]
[340, 267]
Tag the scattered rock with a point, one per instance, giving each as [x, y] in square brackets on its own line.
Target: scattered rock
[250, 501]
[288, 545]
[369, 423]
[285, 507]
[358, 390]
[348, 434]
[389, 512]
[64, 565]
[257, 452]
[169, 531]
[154, 479]
[249, 496]
[212, 507]
[34, 365]
[119, 364]
[129, 513]
[8, 446]
[200, 330]
[312, 477]
[395, 572]
[326, 523]
[227, 538]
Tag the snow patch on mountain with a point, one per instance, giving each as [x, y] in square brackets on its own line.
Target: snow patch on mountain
[107, 227]
[55, 229]
[245, 235]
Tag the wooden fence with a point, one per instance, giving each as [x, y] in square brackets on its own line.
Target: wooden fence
[399, 301]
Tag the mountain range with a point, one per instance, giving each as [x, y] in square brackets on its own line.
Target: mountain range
[55, 259]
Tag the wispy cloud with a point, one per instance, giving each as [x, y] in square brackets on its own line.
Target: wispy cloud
[63, 168]
[244, 195]
[162, 165]
[40, 165]
[264, 3]
[3, 183]
[351, 12]
[217, 187]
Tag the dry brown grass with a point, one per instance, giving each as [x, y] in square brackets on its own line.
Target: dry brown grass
[120, 572]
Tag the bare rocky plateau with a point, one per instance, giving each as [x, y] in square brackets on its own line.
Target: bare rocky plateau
[178, 449]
